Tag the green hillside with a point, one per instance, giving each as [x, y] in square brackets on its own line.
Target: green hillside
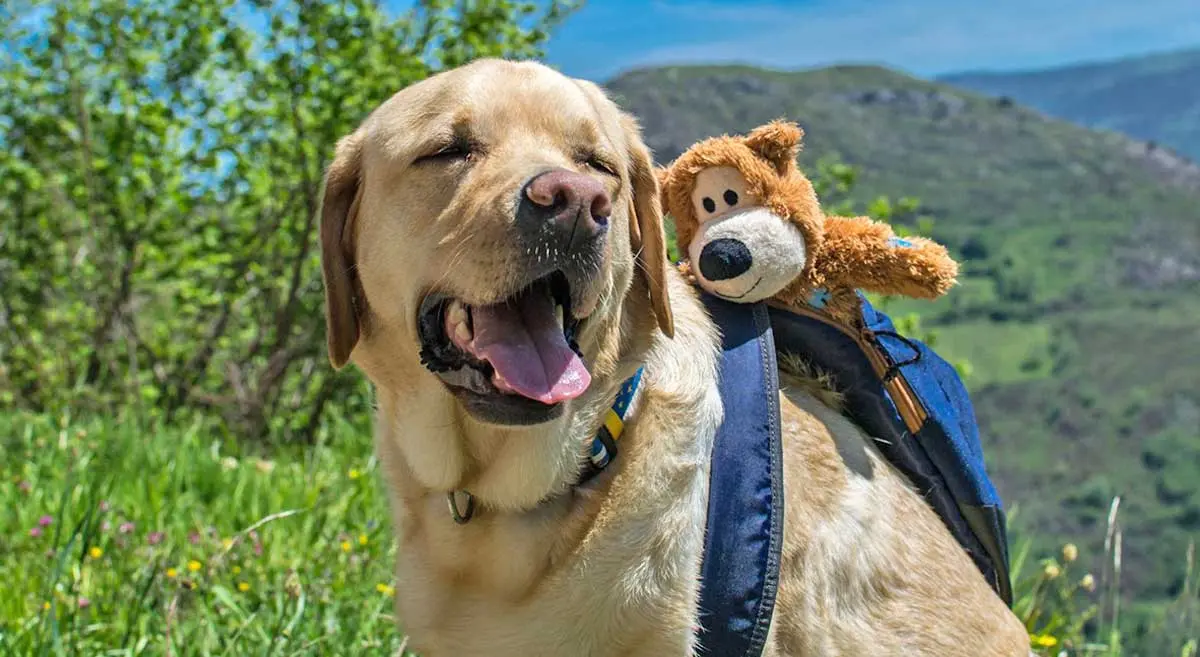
[1154, 97]
[1079, 308]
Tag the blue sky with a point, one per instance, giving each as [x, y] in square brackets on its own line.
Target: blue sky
[923, 37]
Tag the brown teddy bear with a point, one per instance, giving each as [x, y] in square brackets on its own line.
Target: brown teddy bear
[752, 228]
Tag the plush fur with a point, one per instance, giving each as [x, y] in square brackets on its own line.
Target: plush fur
[547, 568]
[838, 254]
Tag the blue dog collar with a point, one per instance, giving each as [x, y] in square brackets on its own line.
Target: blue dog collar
[604, 445]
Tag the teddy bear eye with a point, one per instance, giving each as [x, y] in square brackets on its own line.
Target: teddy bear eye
[731, 197]
[708, 204]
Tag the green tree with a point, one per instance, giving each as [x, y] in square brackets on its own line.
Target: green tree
[160, 169]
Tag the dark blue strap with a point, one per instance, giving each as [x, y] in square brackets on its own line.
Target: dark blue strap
[740, 572]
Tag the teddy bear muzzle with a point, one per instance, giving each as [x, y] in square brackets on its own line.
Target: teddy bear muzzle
[746, 255]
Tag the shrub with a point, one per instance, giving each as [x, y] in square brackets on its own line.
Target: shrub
[160, 173]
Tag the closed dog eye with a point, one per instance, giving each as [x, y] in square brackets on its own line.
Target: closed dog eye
[454, 151]
[597, 161]
[601, 166]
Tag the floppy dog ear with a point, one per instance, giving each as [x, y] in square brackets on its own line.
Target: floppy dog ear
[646, 231]
[343, 193]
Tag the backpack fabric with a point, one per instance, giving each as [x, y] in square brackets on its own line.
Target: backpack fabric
[897, 389]
[915, 406]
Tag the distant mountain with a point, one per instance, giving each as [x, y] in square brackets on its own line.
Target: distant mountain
[1155, 97]
[1080, 305]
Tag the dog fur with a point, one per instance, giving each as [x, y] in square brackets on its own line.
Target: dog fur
[611, 567]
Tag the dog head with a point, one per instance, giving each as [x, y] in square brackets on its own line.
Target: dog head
[491, 238]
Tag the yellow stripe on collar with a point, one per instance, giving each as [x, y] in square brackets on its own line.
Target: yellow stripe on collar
[614, 423]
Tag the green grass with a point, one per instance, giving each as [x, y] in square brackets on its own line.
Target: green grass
[123, 539]
[120, 538]
[998, 352]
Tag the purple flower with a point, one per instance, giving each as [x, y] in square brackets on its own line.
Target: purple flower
[104, 507]
[154, 538]
[35, 532]
[84, 603]
[105, 526]
[258, 549]
[194, 538]
[45, 521]
[126, 528]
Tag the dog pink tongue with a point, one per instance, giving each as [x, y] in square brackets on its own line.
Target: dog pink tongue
[524, 342]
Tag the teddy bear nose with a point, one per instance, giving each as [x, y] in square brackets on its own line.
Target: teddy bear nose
[724, 258]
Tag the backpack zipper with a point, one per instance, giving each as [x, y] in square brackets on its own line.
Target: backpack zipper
[911, 410]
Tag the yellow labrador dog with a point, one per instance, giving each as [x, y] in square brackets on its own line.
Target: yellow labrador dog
[494, 261]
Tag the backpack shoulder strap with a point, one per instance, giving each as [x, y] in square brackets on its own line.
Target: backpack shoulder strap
[744, 533]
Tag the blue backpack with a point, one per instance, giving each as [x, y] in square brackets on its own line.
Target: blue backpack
[894, 387]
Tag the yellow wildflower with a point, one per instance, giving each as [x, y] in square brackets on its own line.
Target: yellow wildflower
[194, 565]
[95, 553]
[45, 606]
[362, 539]
[1070, 552]
[227, 543]
[243, 587]
[237, 569]
[172, 573]
[1051, 571]
[354, 473]
[346, 546]
[385, 589]
[1044, 641]
[1088, 583]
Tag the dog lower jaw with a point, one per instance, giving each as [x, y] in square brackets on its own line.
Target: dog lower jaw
[504, 410]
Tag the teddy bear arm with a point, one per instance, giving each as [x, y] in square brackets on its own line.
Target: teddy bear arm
[860, 253]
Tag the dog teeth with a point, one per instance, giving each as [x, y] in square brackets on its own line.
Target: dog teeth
[558, 315]
[459, 319]
[456, 314]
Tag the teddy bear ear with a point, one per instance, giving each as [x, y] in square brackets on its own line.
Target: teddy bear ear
[777, 142]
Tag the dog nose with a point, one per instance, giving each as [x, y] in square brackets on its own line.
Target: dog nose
[574, 204]
[724, 258]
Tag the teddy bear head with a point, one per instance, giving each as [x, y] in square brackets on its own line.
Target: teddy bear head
[746, 216]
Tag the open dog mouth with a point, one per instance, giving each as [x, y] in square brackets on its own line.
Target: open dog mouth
[518, 349]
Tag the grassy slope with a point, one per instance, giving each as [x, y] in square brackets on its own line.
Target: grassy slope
[147, 547]
[1082, 332]
[1152, 97]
